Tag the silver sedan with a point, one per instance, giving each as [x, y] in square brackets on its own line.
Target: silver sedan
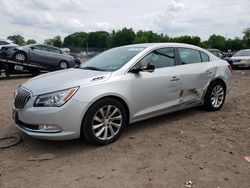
[241, 58]
[120, 86]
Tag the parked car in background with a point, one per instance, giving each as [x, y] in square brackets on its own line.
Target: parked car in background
[241, 58]
[120, 86]
[4, 44]
[221, 55]
[217, 53]
[77, 59]
[44, 55]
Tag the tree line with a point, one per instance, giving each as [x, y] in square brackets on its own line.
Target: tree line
[125, 36]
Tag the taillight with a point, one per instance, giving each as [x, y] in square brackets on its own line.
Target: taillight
[230, 67]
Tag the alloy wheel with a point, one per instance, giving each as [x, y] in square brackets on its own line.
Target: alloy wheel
[107, 122]
[20, 57]
[217, 96]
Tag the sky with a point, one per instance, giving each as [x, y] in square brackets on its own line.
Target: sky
[42, 19]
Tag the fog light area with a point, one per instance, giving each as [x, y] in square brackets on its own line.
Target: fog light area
[49, 128]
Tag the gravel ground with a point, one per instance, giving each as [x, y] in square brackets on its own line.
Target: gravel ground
[207, 148]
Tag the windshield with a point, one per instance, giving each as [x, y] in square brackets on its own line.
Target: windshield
[112, 59]
[243, 53]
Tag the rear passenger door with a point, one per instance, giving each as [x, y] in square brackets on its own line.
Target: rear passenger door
[197, 72]
[54, 56]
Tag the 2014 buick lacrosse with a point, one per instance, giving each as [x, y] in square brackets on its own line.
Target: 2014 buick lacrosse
[123, 85]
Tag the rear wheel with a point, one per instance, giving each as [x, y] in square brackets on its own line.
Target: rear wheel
[63, 65]
[215, 96]
[21, 57]
[104, 122]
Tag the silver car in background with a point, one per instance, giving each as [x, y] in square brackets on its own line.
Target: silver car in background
[241, 58]
[120, 86]
[5, 43]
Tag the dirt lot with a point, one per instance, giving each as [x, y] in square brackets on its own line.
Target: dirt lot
[207, 148]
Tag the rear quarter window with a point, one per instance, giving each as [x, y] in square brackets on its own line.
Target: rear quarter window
[204, 57]
[189, 56]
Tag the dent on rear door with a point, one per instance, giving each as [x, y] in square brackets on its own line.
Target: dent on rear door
[195, 80]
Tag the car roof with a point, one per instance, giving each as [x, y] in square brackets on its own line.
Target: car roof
[244, 50]
[167, 44]
[164, 45]
[213, 49]
[36, 44]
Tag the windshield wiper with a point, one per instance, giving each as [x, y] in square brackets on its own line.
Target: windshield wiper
[92, 68]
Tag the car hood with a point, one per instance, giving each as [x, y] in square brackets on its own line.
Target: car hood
[240, 57]
[64, 79]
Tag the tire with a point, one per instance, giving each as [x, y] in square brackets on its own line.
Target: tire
[20, 56]
[104, 122]
[215, 96]
[63, 65]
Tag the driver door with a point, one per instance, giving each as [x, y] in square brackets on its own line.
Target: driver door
[154, 92]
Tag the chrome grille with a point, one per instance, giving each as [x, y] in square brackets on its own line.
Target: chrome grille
[22, 97]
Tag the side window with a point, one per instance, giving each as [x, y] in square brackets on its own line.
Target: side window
[215, 53]
[204, 57]
[221, 55]
[189, 56]
[3, 43]
[160, 58]
[40, 47]
[53, 50]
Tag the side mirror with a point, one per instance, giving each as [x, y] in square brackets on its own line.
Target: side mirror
[144, 67]
[32, 48]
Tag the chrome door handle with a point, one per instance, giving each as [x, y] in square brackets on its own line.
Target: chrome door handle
[174, 78]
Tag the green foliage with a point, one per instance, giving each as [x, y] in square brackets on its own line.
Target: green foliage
[147, 37]
[125, 36]
[188, 40]
[122, 37]
[76, 40]
[18, 39]
[246, 37]
[235, 44]
[56, 41]
[49, 41]
[30, 41]
[99, 39]
[217, 41]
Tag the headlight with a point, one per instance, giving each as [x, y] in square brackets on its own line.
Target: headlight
[55, 99]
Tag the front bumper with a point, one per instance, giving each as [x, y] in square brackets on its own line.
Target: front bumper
[67, 119]
[241, 64]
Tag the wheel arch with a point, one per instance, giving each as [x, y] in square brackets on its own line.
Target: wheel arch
[118, 98]
[219, 79]
[21, 51]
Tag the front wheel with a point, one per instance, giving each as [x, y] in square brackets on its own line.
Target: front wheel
[104, 122]
[215, 96]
